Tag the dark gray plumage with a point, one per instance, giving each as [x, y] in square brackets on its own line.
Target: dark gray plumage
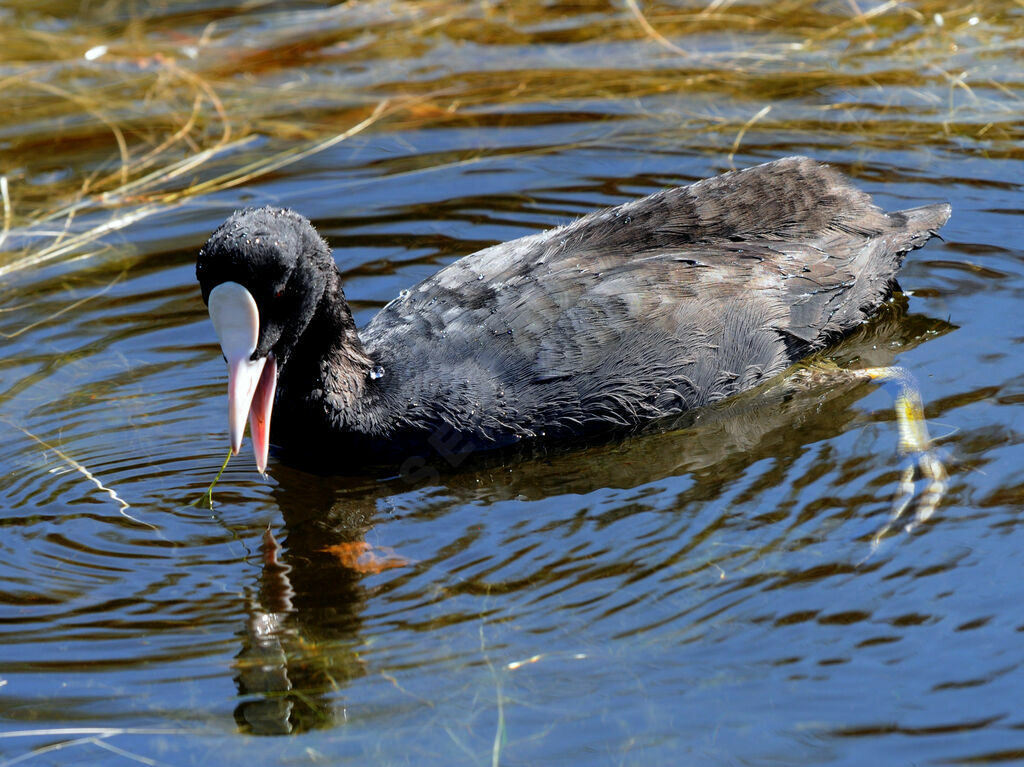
[629, 314]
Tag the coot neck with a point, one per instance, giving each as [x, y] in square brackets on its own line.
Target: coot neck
[328, 361]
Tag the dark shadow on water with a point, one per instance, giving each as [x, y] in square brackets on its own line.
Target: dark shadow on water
[300, 644]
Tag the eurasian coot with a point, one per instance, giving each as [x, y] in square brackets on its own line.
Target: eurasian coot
[629, 314]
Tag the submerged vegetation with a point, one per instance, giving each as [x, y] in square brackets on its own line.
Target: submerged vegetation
[116, 111]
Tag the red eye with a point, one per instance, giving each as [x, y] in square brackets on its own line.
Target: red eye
[279, 293]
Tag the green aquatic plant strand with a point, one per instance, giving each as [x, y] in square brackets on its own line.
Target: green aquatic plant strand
[206, 499]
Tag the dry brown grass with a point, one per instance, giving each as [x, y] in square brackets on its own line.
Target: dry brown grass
[110, 118]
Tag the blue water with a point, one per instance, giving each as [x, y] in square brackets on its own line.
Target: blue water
[703, 595]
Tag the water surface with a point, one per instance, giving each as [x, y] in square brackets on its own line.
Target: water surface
[698, 595]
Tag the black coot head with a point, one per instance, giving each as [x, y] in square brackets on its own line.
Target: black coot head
[262, 274]
[278, 257]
